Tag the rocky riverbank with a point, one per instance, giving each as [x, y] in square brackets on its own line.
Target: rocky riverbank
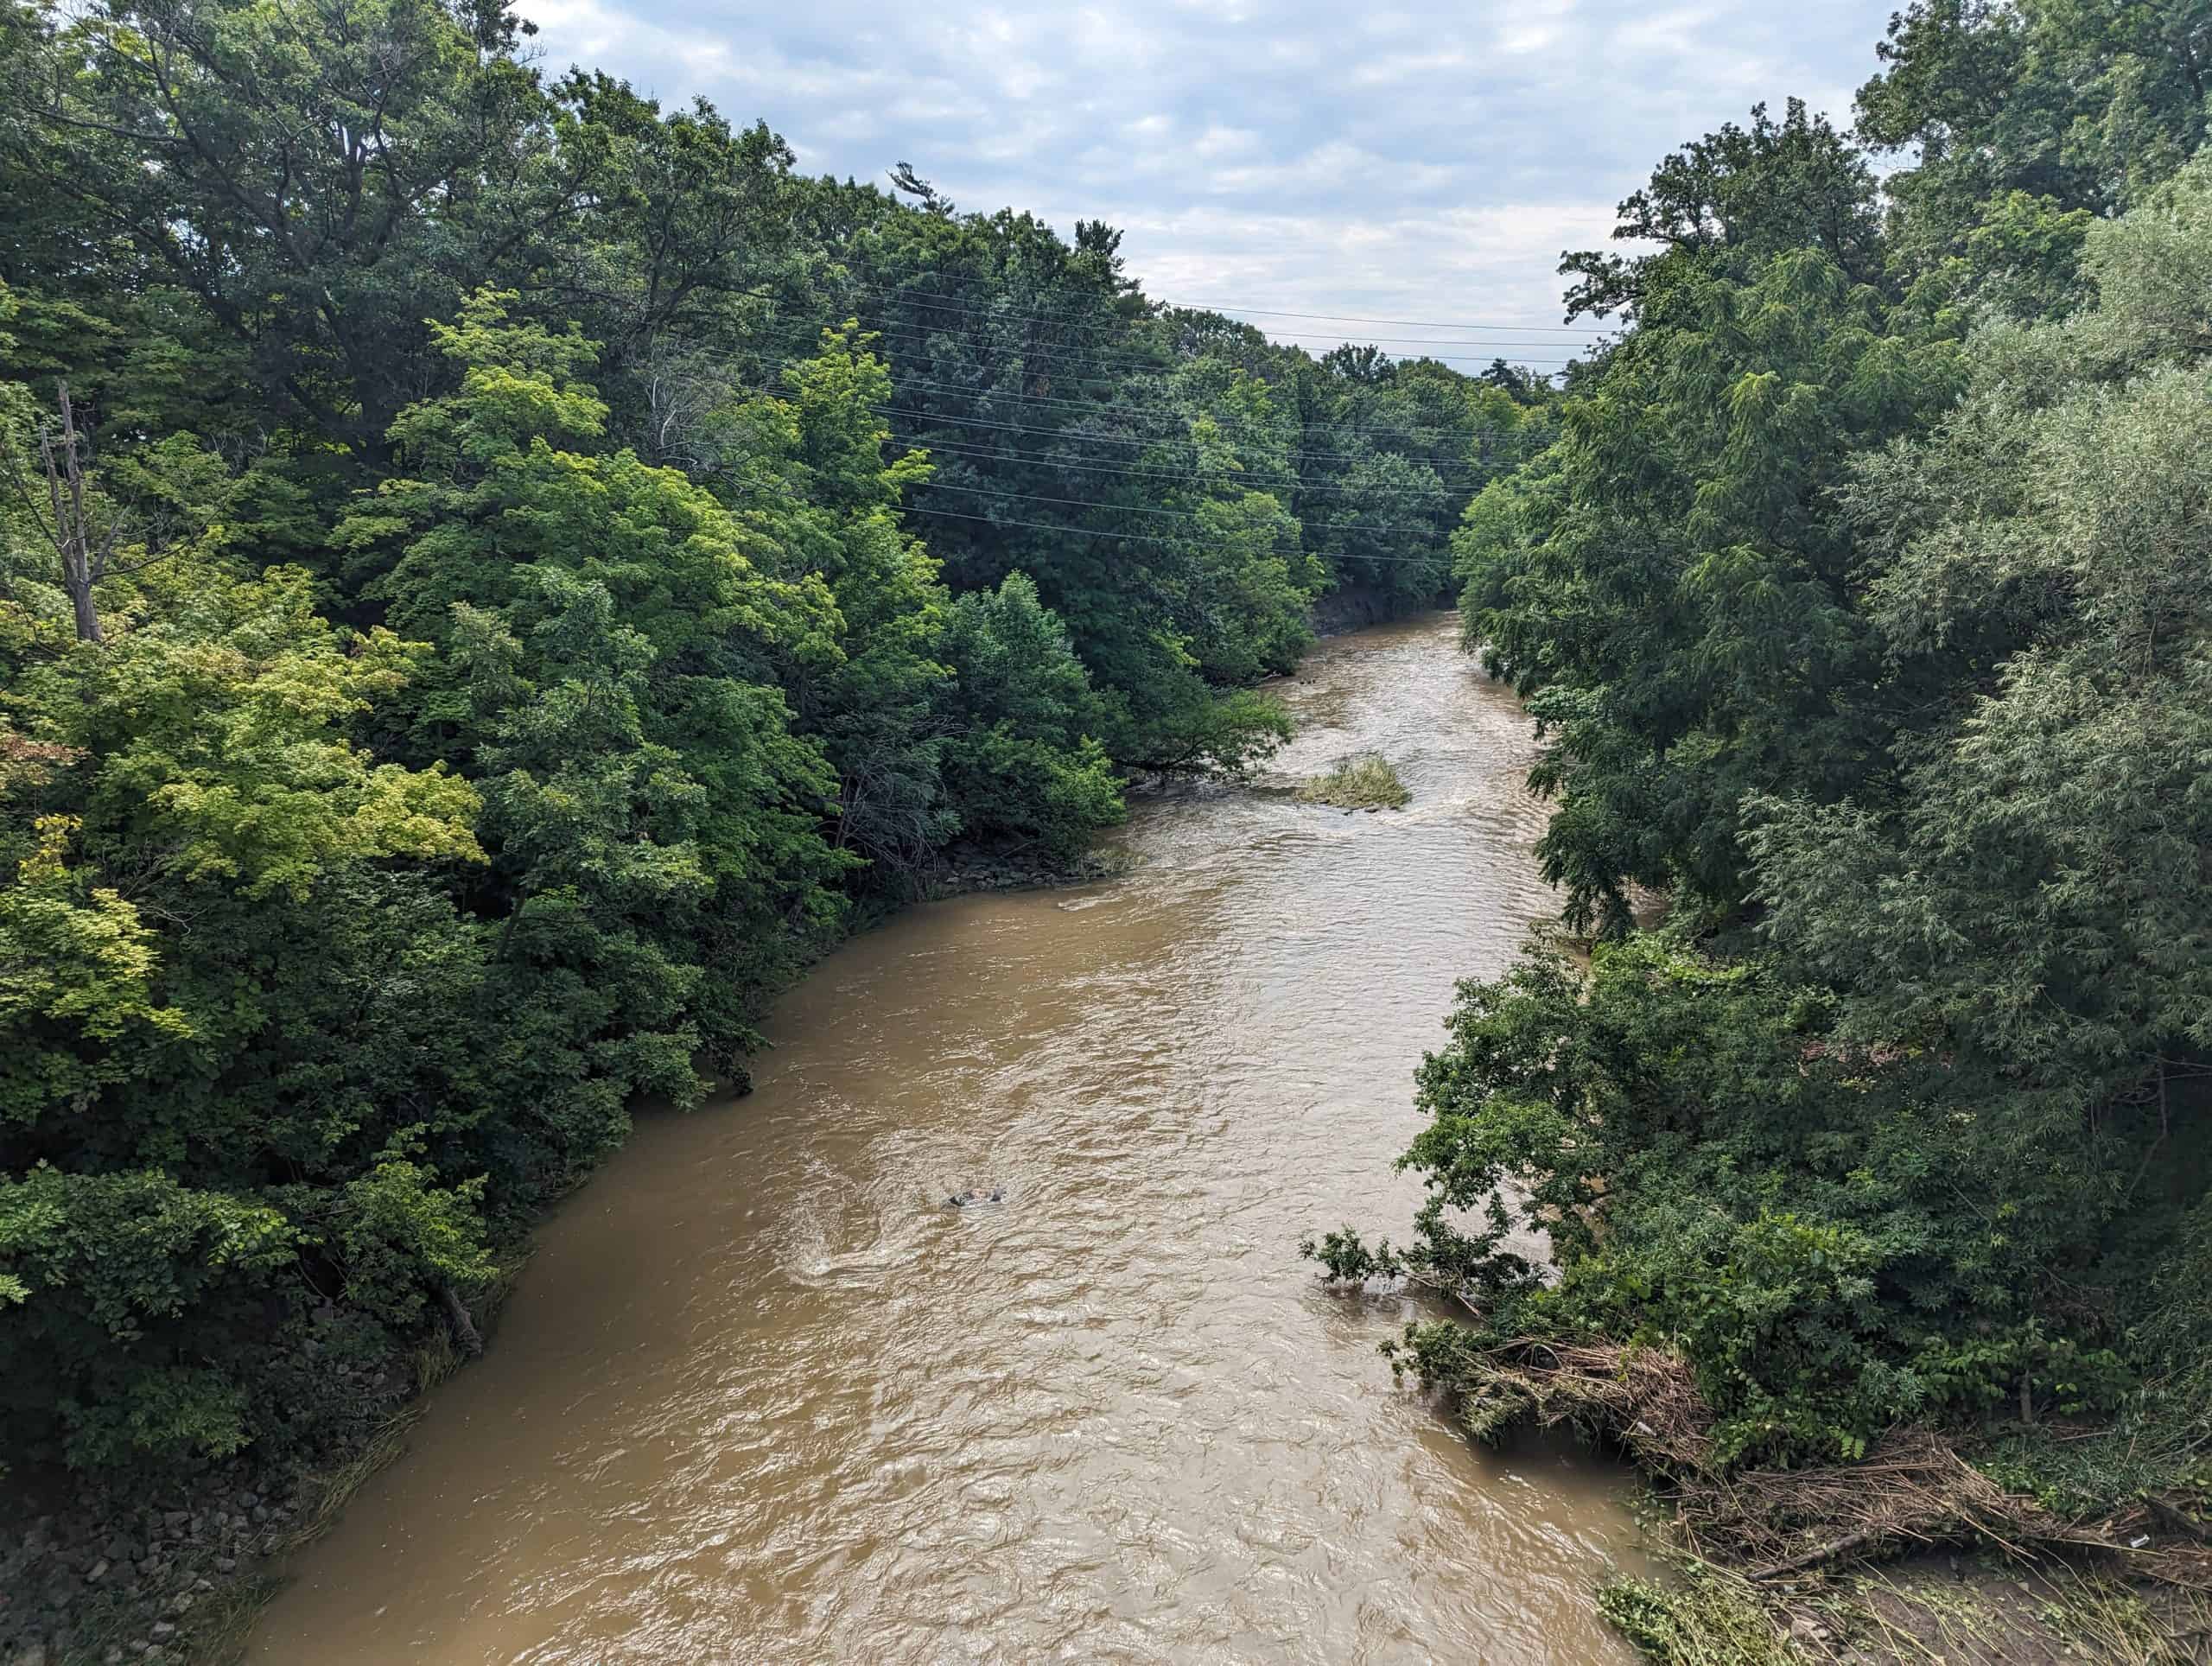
[962, 873]
[1355, 606]
[93, 1583]
[93, 1575]
[160, 1573]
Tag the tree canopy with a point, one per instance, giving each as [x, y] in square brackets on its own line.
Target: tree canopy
[1860, 602]
[495, 575]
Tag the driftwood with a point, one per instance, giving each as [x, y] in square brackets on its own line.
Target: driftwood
[1911, 1489]
[1866, 1538]
[464, 1327]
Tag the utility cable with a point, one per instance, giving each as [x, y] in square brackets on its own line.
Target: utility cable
[1111, 508]
[925, 417]
[1125, 538]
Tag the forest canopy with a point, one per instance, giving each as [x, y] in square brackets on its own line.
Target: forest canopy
[1862, 607]
[495, 575]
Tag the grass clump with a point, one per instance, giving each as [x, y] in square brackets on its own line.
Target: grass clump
[1368, 782]
[1709, 1618]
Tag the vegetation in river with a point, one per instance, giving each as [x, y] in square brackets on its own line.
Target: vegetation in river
[1860, 608]
[1368, 782]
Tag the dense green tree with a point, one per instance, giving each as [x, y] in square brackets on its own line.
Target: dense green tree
[1676, 588]
[2040, 885]
[318, 182]
[1715, 1171]
[1737, 195]
[478, 612]
[1022, 762]
[1860, 602]
[2087, 106]
[615, 644]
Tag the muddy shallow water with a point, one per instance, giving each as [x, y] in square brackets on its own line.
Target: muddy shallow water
[761, 1397]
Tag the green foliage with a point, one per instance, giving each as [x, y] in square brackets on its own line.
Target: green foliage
[1705, 1618]
[108, 1278]
[1859, 605]
[77, 966]
[1674, 585]
[1021, 764]
[2090, 106]
[1732, 200]
[512, 653]
[1344, 1256]
[1716, 1171]
[2040, 882]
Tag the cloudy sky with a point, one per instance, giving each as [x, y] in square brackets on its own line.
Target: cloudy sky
[1428, 161]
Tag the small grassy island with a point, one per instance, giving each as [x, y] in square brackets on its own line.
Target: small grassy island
[1366, 782]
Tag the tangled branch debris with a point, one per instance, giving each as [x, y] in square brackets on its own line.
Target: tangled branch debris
[1911, 1490]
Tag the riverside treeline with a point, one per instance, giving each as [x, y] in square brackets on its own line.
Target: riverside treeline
[494, 576]
[1864, 603]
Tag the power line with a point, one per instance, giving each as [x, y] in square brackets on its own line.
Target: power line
[992, 315]
[1112, 508]
[1226, 308]
[1229, 311]
[1126, 537]
[965, 330]
[923, 419]
[1045, 526]
[1094, 408]
[1257, 480]
[927, 416]
[1147, 364]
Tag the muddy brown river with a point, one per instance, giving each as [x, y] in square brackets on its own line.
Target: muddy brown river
[762, 1397]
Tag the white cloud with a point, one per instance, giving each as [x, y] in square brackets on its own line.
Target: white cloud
[1429, 161]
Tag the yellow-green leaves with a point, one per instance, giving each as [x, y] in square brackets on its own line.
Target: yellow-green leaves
[222, 740]
[77, 971]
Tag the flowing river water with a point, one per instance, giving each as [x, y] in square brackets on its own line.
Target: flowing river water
[761, 1397]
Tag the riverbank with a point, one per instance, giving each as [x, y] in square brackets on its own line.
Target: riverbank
[1350, 607]
[1917, 1550]
[178, 1572]
[762, 1395]
[1963, 1609]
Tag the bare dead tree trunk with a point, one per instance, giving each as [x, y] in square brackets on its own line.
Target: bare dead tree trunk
[84, 558]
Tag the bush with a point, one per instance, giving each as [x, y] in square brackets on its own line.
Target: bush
[1716, 1175]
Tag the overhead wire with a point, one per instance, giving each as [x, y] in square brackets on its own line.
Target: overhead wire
[1229, 310]
[991, 316]
[925, 417]
[918, 333]
[1092, 408]
[927, 335]
[1110, 508]
[1256, 479]
[1126, 537]
[902, 341]
[1111, 439]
